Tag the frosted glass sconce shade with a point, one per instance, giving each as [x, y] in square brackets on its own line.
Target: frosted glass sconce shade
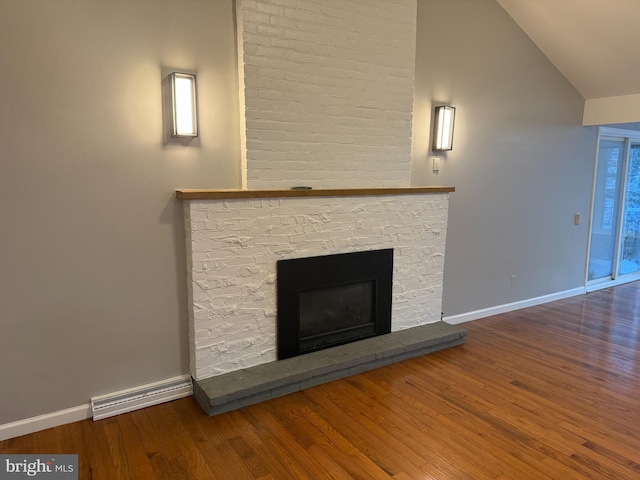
[443, 128]
[184, 118]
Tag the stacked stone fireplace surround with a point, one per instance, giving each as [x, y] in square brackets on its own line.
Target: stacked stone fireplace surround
[327, 98]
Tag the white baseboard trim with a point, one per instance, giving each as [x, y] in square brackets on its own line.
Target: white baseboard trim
[82, 412]
[42, 422]
[510, 307]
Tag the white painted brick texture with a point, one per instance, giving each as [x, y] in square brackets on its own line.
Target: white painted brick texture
[233, 246]
[328, 91]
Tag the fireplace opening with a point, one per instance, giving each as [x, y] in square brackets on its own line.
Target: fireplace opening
[333, 299]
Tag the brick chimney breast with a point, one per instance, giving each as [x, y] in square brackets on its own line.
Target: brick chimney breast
[326, 92]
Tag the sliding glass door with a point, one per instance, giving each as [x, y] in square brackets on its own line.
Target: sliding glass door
[614, 250]
[606, 206]
[630, 247]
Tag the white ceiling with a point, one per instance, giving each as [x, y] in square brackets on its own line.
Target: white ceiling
[594, 43]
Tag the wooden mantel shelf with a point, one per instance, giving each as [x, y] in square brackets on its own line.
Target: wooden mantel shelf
[195, 194]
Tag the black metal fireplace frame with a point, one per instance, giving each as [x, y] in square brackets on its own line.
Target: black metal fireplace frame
[304, 274]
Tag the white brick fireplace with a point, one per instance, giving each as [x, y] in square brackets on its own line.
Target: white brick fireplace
[326, 102]
[233, 246]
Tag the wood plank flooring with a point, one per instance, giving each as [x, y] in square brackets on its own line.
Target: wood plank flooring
[549, 392]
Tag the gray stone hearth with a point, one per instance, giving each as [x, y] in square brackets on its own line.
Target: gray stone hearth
[270, 380]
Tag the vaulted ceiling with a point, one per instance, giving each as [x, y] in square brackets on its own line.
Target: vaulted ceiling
[594, 43]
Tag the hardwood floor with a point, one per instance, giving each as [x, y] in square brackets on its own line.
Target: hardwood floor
[549, 392]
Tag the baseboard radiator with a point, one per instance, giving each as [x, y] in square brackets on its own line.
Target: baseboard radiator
[140, 397]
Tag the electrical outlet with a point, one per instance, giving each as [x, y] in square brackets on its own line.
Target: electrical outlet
[436, 164]
[513, 280]
[576, 219]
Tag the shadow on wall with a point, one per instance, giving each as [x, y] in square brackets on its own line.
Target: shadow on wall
[172, 214]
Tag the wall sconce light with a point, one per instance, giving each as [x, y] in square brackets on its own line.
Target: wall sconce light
[443, 128]
[184, 118]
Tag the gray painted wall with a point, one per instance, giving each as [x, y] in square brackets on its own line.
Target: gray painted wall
[92, 268]
[522, 164]
[92, 274]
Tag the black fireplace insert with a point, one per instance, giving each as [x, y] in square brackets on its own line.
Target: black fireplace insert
[333, 299]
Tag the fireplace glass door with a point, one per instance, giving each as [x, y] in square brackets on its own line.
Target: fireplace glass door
[334, 314]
